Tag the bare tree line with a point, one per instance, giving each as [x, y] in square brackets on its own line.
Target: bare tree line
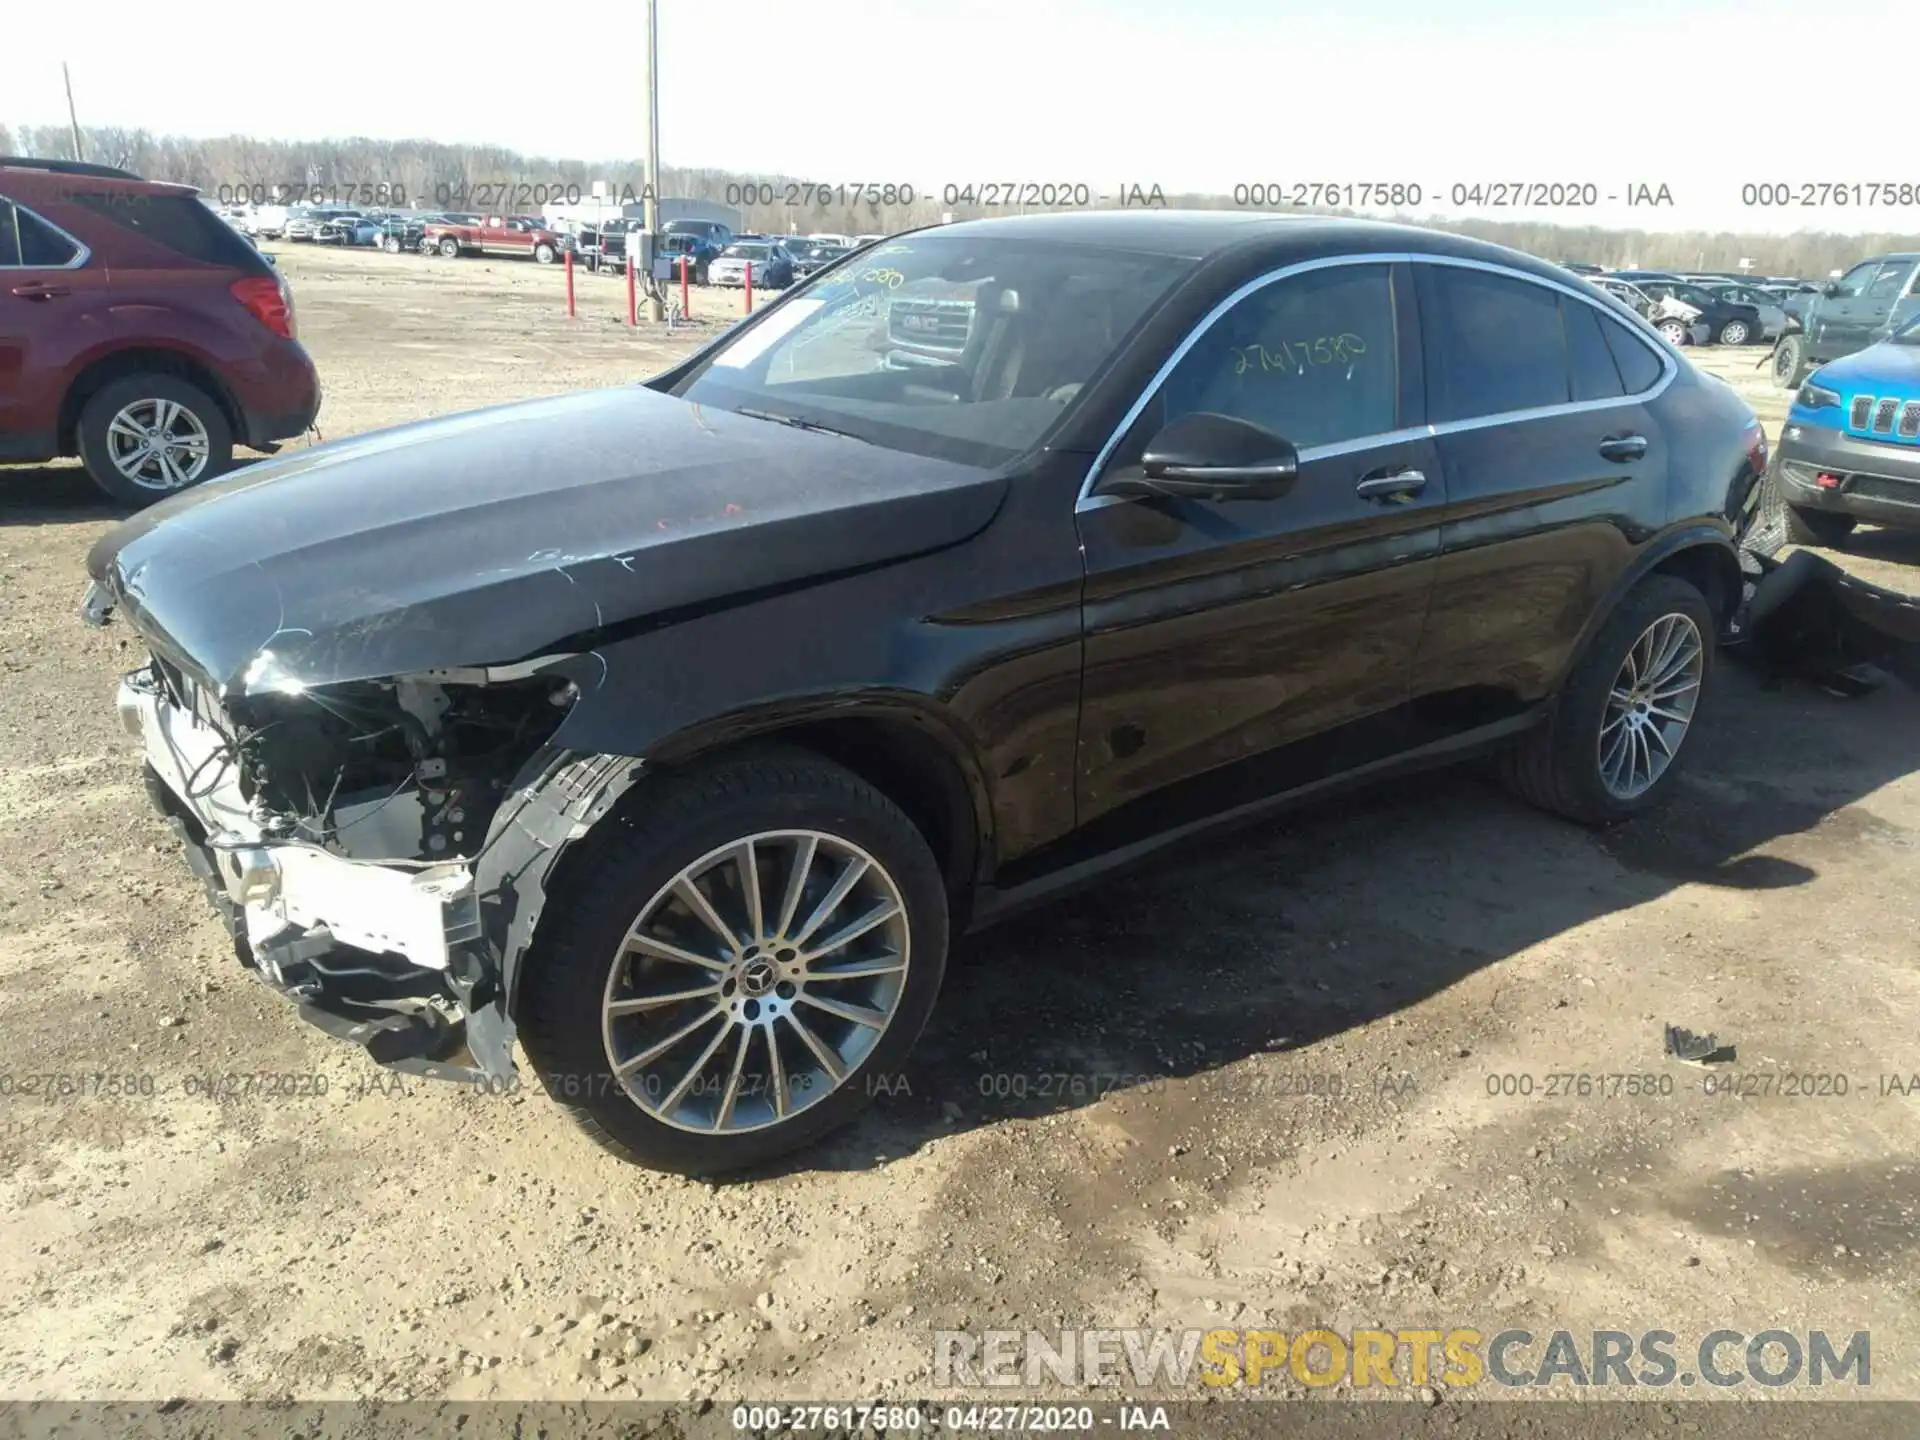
[431, 173]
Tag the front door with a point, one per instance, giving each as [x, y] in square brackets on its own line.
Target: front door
[1254, 645]
[1841, 320]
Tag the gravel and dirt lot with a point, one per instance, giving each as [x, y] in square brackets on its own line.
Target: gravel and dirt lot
[1258, 1083]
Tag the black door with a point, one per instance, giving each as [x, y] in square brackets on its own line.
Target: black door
[1555, 471]
[1248, 645]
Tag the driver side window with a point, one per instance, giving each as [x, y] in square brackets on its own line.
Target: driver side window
[1311, 358]
[1855, 280]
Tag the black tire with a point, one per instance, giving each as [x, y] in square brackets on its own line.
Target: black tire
[449, 247]
[684, 817]
[1557, 765]
[1818, 527]
[111, 399]
[1790, 369]
[391, 244]
[1734, 332]
[545, 254]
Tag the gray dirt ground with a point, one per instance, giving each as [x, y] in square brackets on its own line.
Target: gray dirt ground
[395, 1238]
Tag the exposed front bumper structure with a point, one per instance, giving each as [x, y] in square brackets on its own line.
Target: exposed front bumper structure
[388, 956]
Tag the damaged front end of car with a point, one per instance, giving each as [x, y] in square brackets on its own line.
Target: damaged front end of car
[378, 850]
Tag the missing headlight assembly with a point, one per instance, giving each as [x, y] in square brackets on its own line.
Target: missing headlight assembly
[358, 839]
[410, 769]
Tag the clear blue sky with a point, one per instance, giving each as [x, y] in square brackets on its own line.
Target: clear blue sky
[1203, 95]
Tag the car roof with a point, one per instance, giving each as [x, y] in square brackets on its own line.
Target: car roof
[28, 177]
[1201, 234]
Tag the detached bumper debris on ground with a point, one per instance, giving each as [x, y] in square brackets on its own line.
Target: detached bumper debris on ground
[1807, 619]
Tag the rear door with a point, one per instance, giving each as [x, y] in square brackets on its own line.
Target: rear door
[1243, 646]
[1553, 462]
[54, 313]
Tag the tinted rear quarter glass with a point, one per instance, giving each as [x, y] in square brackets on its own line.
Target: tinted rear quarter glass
[1639, 366]
[178, 222]
[1595, 376]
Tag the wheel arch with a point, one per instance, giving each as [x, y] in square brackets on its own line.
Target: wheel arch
[1699, 553]
[566, 802]
[142, 360]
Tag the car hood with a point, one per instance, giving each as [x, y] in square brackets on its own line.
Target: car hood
[1885, 369]
[498, 535]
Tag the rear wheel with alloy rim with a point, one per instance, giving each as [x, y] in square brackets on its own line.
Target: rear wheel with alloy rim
[1734, 332]
[787, 948]
[146, 436]
[1615, 737]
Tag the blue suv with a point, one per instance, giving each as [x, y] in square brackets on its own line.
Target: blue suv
[1851, 447]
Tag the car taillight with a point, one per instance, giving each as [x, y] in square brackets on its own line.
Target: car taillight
[268, 300]
[1756, 440]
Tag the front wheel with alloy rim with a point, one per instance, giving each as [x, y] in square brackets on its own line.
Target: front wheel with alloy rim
[144, 437]
[391, 244]
[749, 946]
[1676, 332]
[1617, 731]
[1735, 332]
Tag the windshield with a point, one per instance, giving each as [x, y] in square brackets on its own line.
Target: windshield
[967, 349]
[1693, 295]
[1909, 333]
[745, 252]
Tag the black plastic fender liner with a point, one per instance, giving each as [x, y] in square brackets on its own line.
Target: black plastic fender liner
[558, 797]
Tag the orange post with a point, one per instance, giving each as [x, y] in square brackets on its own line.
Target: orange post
[569, 282]
[686, 304]
[749, 287]
[633, 282]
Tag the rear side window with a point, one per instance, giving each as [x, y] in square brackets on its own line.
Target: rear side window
[27, 240]
[178, 222]
[1595, 376]
[1493, 344]
[1888, 283]
[1640, 367]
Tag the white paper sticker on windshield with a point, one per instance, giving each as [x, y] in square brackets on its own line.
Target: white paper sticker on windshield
[757, 341]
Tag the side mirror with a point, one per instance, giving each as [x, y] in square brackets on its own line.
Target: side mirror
[1832, 291]
[1212, 457]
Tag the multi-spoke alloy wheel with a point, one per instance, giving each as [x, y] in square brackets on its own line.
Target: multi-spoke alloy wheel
[1650, 707]
[737, 963]
[1609, 744]
[158, 444]
[756, 980]
[145, 436]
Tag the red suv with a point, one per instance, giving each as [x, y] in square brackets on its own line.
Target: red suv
[138, 331]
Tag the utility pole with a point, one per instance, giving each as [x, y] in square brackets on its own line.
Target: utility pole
[656, 308]
[73, 119]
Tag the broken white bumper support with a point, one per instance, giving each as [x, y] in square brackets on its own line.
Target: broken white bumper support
[294, 889]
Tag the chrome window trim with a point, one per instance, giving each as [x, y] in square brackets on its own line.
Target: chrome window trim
[81, 253]
[1617, 312]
